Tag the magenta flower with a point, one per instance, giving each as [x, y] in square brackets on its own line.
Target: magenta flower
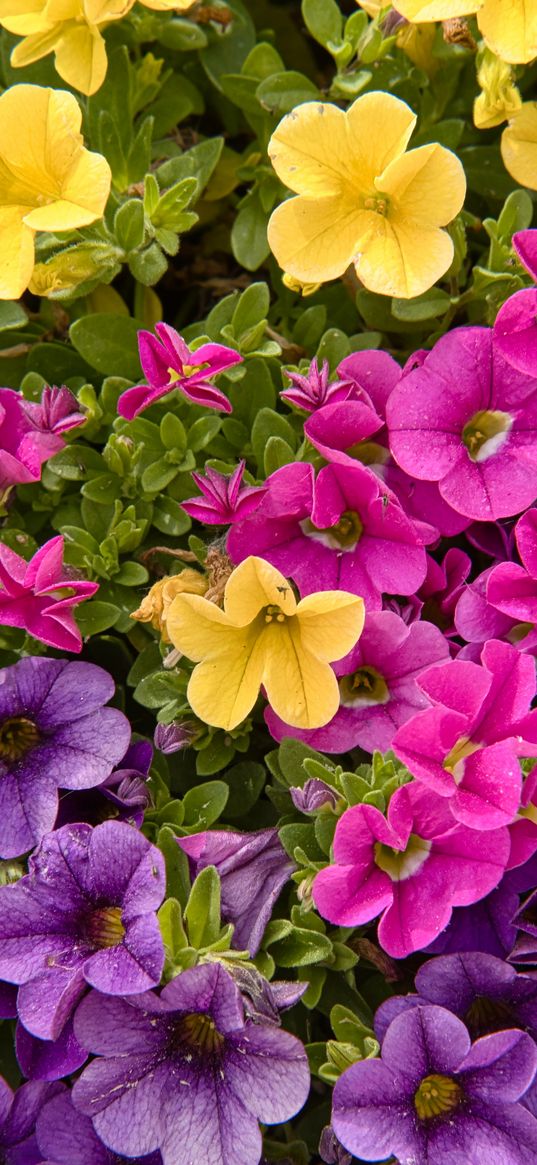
[525, 245]
[337, 531]
[443, 587]
[468, 420]
[512, 589]
[378, 685]
[39, 595]
[313, 389]
[466, 746]
[343, 432]
[515, 331]
[169, 363]
[224, 498]
[31, 433]
[476, 620]
[412, 867]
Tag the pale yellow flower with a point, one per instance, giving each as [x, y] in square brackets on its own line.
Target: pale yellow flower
[361, 198]
[499, 98]
[264, 637]
[48, 180]
[519, 146]
[156, 604]
[509, 27]
[293, 284]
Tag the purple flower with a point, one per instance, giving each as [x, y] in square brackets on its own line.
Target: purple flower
[313, 389]
[54, 729]
[185, 1073]
[39, 595]
[434, 1096]
[18, 1113]
[125, 794]
[85, 913]
[49, 1059]
[337, 531]
[263, 1001]
[169, 738]
[378, 685]
[331, 1150]
[31, 433]
[468, 420]
[313, 795]
[253, 869]
[169, 363]
[66, 1137]
[225, 499]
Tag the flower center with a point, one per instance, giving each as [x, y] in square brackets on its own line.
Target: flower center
[488, 1015]
[379, 203]
[485, 433]
[17, 736]
[402, 864]
[344, 535]
[368, 452]
[435, 1096]
[199, 1031]
[454, 762]
[363, 688]
[104, 927]
[274, 614]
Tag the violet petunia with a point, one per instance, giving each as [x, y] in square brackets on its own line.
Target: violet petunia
[312, 389]
[412, 867]
[18, 1114]
[54, 729]
[169, 363]
[125, 794]
[224, 498]
[378, 685]
[30, 432]
[468, 420]
[49, 1059]
[39, 596]
[84, 913]
[253, 869]
[185, 1073]
[313, 795]
[66, 1137]
[435, 1096]
[466, 746]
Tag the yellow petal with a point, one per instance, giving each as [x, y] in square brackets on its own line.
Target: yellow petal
[426, 185]
[60, 10]
[27, 25]
[510, 30]
[255, 584]
[34, 47]
[224, 688]
[16, 8]
[169, 5]
[197, 627]
[519, 146]
[81, 58]
[101, 11]
[309, 149]
[301, 689]
[315, 240]
[331, 622]
[380, 127]
[402, 259]
[437, 9]
[17, 248]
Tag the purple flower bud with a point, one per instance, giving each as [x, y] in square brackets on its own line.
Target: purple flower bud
[312, 796]
[331, 1150]
[173, 737]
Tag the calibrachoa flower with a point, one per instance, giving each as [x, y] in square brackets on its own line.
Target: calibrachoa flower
[54, 730]
[519, 139]
[39, 596]
[512, 589]
[468, 420]
[443, 587]
[48, 182]
[156, 603]
[499, 98]
[510, 33]
[185, 1073]
[125, 794]
[66, 1137]
[314, 389]
[31, 433]
[224, 498]
[264, 637]
[525, 245]
[84, 913]
[169, 363]
[361, 198]
[253, 869]
[412, 867]
[435, 1096]
[466, 746]
[377, 685]
[18, 1113]
[49, 1059]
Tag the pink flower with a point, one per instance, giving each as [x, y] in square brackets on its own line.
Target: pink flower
[39, 595]
[525, 245]
[378, 687]
[512, 589]
[30, 433]
[468, 420]
[412, 867]
[443, 586]
[476, 620]
[515, 329]
[225, 499]
[312, 390]
[466, 746]
[169, 363]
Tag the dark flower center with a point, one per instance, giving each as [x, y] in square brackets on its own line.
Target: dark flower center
[435, 1096]
[17, 736]
[486, 1015]
[199, 1031]
[363, 688]
[345, 534]
[104, 927]
[485, 433]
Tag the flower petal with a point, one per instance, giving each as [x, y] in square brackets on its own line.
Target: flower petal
[224, 687]
[302, 689]
[397, 257]
[331, 623]
[519, 146]
[309, 150]
[511, 35]
[17, 252]
[253, 585]
[424, 10]
[427, 185]
[316, 240]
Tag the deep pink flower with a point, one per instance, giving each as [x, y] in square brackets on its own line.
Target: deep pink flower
[468, 420]
[515, 331]
[476, 620]
[512, 589]
[525, 245]
[30, 433]
[412, 866]
[169, 363]
[443, 586]
[313, 389]
[39, 595]
[224, 499]
[377, 682]
[466, 746]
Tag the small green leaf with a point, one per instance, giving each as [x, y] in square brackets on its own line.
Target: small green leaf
[202, 911]
[204, 804]
[109, 343]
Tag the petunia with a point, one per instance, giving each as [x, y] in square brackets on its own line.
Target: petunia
[54, 730]
[18, 1114]
[66, 1137]
[49, 1059]
[510, 32]
[361, 198]
[224, 499]
[30, 433]
[435, 1096]
[84, 913]
[411, 867]
[264, 637]
[168, 363]
[525, 246]
[48, 180]
[186, 1073]
[39, 595]
[124, 795]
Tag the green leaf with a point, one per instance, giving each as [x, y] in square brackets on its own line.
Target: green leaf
[108, 343]
[202, 432]
[278, 452]
[429, 306]
[169, 518]
[252, 306]
[182, 35]
[245, 782]
[173, 432]
[129, 224]
[202, 911]
[95, 616]
[199, 163]
[283, 91]
[310, 326]
[324, 20]
[204, 804]
[269, 424]
[249, 235]
[131, 574]
[262, 62]
[516, 214]
[12, 315]
[149, 265]
[172, 930]
[177, 876]
[158, 475]
[300, 948]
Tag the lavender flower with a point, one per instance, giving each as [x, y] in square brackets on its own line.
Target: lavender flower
[125, 794]
[224, 499]
[18, 1114]
[67, 1137]
[169, 738]
[313, 795]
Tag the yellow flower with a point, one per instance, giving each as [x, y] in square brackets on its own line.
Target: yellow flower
[61, 27]
[500, 98]
[156, 604]
[361, 198]
[519, 146]
[48, 181]
[293, 284]
[508, 26]
[264, 637]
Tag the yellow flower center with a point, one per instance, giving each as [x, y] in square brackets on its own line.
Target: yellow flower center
[485, 433]
[402, 864]
[274, 614]
[344, 535]
[454, 762]
[435, 1096]
[363, 688]
[17, 736]
[200, 1032]
[188, 370]
[379, 203]
[104, 927]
